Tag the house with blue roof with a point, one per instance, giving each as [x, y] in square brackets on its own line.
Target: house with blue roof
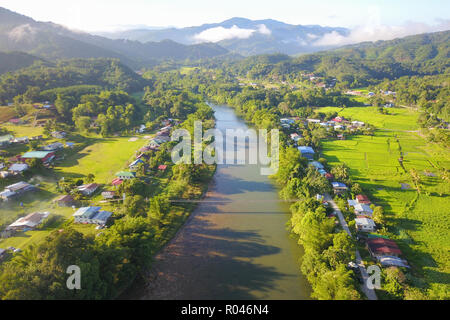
[307, 152]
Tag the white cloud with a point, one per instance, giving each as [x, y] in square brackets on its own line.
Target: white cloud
[264, 30]
[220, 33]
[375, 32]
[22, 32]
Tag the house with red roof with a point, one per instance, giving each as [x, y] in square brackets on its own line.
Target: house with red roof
[379, 247]
[362, 199]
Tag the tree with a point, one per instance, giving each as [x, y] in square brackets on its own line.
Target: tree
[62, 106]
[378, 215]
[356, 188]
[90, 178]
[83, 123]
[135, 206]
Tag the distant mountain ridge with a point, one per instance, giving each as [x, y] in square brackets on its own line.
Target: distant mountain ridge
[250, 36]
[51, 41]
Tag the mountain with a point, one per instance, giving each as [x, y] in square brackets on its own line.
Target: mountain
[51, 41]
[244, 36]
[12, 61]
[358, 65]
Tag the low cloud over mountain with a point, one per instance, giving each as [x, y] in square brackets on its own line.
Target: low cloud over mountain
[377, 32]
[220, 33]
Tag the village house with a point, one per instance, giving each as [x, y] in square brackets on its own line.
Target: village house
[23, 140]
[16, 189]
[365, 225]
[59, 134]
[363, 210]
[379, 247]
[363, 199]
[136, 163]
[65, 201]
[53, 147]
[162, 167]
[29, 222]
[108, 195]
[91, 215]
[306, 152]
[6, 140]
[88, 189]
[125, 175]
[329, 176]
[116, 182]
[162, 139]
[358, 123]
[15, 121]
[339, 187]
[18, 168]
[44, 156]
[317, 165]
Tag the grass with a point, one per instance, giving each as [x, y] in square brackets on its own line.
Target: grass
[103, 158]
[419, 222]
[398, 118]
[23, 130]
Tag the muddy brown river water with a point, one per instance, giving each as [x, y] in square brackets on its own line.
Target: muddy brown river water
[235, 248]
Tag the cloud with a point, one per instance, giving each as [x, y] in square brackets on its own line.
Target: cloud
[22, 32]
[220, 33]
[375, 32]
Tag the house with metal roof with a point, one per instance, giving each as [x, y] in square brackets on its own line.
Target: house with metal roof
[88, 189]
[307, 152]
[53, 147]
[363, 210]
[135, 163]
[44, 156]
[6, 140]
[379, 247]
[84, 214]
[339, 187]
[92, 215]
[317, 165]
[365, 225]
[30, 221]
[18, 168]
[125, 175]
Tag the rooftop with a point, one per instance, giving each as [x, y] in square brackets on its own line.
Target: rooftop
[36, 154]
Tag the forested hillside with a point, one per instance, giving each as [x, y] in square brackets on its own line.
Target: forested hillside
[11, 61]
[359, 65]
[107, 73]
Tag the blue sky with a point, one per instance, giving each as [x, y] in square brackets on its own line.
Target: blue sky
[99, 15]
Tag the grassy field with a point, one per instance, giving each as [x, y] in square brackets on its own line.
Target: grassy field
[23, 130]
[398, 118]
[420, 222]
[103, 158]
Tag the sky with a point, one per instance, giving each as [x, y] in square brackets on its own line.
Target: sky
[111, 15]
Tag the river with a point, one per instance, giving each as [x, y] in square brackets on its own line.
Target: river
[235, 248]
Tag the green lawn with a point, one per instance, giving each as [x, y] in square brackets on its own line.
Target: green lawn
[420, 223]
[23, 130]
[103, 158]
[398, 118]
